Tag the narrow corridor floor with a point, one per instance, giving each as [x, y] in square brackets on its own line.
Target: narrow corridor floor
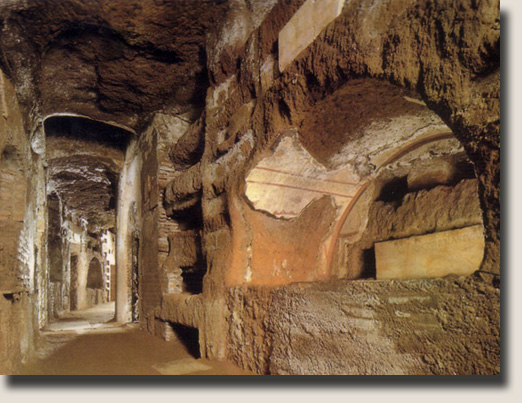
[88, 342]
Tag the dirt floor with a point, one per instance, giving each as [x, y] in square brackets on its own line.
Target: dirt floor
[86, 342]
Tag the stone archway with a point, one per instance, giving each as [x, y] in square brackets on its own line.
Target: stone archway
[338, 148]
[451, 214]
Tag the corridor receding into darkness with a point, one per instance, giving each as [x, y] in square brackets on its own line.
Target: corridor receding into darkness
[249, 187]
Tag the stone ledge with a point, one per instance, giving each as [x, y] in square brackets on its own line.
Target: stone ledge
[184, 309]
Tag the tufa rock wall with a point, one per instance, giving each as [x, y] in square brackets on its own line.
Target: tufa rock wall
[406, 327]
[19, 317]
[441, 55]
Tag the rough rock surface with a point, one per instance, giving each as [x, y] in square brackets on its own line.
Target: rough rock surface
[18, 319]
[122, 58]
[376, 65]
[412, 327]
[426, 211]
[189, 148]
[438, 209]
[347, 114]
[85, 159]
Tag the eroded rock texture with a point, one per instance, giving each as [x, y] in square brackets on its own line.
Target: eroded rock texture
[85, 159]
[385, 327]
[106, 59]
[247, 157]
[367, 78]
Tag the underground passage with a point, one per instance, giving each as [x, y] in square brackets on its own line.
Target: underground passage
[249, 187]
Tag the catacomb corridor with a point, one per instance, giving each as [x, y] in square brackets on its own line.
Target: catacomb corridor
[249, 187]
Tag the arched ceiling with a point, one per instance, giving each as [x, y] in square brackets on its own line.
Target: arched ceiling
[84, 160]
[358, 111]
[340, 145]
[110, 60]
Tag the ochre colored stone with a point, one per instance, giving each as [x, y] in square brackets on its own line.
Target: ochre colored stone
[457, 252]
[436, 172]
[207, 198]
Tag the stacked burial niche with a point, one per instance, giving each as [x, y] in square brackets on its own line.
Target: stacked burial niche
[85, 160]
[404, 191]
[419, 217]
[186, 265]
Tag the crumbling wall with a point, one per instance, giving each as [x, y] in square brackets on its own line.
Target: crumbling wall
[17, 334]
[14, 169]
[411, 214]
[57, 246]
[396, 327]
[149, 276]
[159, 273]
[407, 54]
[18, 232]
[373, 48]
[334, 73]
[363, 74]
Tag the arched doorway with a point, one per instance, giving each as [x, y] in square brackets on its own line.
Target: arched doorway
[95, 283]
[91, 164]
[311, 189]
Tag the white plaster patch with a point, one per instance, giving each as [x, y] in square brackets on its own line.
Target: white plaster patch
[414, 101]
[305, 25]
[235, 154]
[404, 300]
[287, 181]
[221, 93]
[384, 136]
[245, 18]
[267, 73]
[248, 275]
[170, 128]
